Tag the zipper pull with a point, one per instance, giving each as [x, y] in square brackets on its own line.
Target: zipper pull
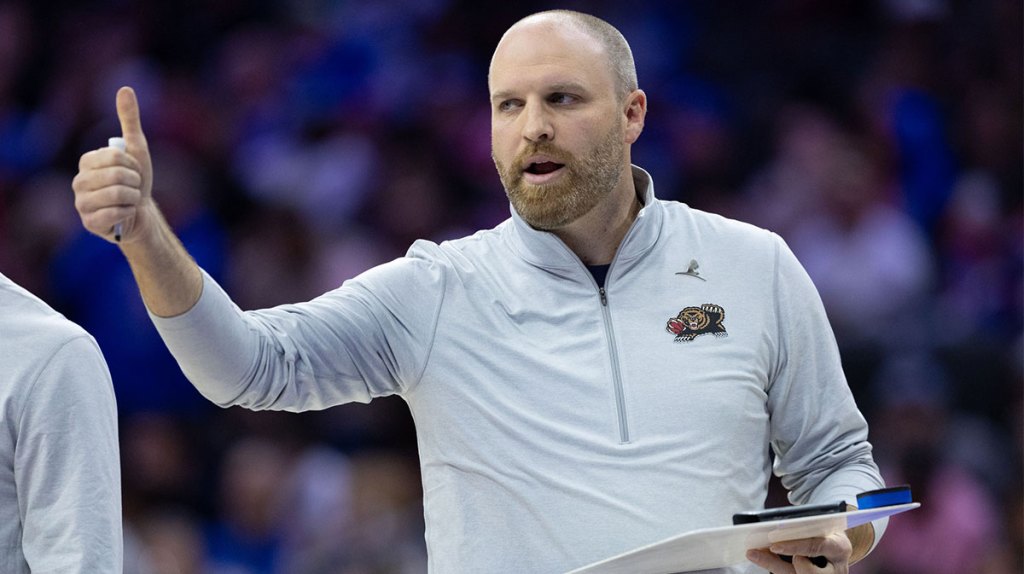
[604, 296]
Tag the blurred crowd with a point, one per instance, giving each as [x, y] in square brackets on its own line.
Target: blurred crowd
[299, 142]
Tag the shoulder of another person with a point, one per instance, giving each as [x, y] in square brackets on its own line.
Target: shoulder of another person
[30, 328]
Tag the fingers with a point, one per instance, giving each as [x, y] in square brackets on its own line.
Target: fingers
[806, 547]
[835, 547]
[797, 564]
[107, 157]
[804, 565]
[102, 222]
[770, 562]
[109, 196]
[108, 188]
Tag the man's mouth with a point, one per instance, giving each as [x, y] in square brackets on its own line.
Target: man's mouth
[542, 171]
[544, 167]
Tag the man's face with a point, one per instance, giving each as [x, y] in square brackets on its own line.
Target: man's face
[557, 125]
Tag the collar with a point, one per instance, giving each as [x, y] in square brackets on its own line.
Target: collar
[545, 249]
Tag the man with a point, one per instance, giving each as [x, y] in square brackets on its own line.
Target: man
[599, 372]
[60, 484]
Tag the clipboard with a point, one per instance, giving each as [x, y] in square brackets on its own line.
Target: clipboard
[727, 545]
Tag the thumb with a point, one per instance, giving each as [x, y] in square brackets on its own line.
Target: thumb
[128, 113]
[134, 139]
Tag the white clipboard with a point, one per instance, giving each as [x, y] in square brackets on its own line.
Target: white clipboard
[728, 545]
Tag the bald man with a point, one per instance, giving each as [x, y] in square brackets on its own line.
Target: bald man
[600, 371]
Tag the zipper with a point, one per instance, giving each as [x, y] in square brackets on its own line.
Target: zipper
[620, 395]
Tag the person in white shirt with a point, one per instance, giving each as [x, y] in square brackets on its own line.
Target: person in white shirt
[60, 477]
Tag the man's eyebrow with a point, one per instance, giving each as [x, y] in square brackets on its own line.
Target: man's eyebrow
[567, 87]
[503, 95]
[571, 87]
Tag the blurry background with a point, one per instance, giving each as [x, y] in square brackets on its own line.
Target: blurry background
[299, 142]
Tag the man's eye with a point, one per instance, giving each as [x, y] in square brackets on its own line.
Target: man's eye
[508, 105]
[562, 98]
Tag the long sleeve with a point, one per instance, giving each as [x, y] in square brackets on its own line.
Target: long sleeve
[818, 434]
[370, 337]
[66, 465]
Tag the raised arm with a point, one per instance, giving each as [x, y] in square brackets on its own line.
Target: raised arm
[114, 186]
[367, 339]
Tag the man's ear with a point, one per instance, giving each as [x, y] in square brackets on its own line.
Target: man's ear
[635, 111]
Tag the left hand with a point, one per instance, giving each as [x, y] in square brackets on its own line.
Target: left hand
[835, 547]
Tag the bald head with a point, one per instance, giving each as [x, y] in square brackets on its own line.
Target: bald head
[613, 44]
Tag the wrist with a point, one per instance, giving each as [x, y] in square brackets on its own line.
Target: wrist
[862, 538]
[145, 230]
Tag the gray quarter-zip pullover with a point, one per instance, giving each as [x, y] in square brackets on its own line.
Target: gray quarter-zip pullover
[559, 423]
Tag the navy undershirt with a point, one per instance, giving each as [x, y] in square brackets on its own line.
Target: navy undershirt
[599, 272]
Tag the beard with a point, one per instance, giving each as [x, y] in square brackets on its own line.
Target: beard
[584, 184]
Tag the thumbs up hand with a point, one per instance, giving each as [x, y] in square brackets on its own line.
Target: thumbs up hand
[114, 186]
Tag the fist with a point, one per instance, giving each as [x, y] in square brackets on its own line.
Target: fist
[113, 187]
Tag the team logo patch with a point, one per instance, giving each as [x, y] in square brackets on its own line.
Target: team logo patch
[692, 322]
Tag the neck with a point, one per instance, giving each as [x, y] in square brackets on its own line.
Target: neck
[596, 236]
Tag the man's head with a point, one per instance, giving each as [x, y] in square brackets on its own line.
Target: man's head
[564, 109]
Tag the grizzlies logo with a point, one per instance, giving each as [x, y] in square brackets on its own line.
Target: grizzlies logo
[692, 322]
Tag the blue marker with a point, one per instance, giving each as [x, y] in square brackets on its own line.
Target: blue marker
[884, 497]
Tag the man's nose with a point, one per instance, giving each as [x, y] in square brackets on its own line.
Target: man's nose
[538, 126]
